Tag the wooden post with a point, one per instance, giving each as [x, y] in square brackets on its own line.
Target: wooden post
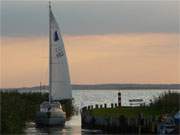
[119, 99]
[112, 105]
[84, 108]
[139, 130]
[105, 105]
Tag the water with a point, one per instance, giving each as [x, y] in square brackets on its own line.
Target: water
[92, 97]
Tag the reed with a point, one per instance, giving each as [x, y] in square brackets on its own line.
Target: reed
[18, 108]
[168, 102]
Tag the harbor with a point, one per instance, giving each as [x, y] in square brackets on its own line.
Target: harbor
[89, 67]
[82, 98]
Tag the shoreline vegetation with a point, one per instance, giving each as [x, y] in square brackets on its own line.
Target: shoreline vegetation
[117, 119]
[166, 103]
[19, 108]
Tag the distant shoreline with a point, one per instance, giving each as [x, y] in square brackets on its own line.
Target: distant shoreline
[127, 86]
[106, 87]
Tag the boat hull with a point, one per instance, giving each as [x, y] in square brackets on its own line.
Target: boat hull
[50, 118]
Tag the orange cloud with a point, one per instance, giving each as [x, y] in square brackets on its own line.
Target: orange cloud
[129, 58]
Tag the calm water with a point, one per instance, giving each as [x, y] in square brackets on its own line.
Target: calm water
[92, 97]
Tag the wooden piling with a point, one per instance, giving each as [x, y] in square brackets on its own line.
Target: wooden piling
[105, 105]
[119, 98]
[112, 105]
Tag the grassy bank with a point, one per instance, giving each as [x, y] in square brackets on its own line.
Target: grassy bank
[125, 111]
[166, 103]
[131, 120]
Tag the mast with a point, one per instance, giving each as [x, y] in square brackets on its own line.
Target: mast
[50, 56]
[40, 87]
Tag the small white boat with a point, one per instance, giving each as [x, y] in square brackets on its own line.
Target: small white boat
[51, 112]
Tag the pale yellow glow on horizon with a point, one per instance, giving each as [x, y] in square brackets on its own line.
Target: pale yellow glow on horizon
[114, 58]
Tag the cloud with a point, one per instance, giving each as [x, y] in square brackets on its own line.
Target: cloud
[113, 58]
[30, 18]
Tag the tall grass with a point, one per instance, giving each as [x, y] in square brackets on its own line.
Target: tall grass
[18, 108]
[168, 102]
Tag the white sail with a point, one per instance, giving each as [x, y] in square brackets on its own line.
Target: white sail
[60, 87]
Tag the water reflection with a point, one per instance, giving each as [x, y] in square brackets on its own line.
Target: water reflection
[72, 127]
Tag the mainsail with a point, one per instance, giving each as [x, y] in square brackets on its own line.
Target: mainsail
[59, 80]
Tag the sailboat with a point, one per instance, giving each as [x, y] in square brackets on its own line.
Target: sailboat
[51, 112]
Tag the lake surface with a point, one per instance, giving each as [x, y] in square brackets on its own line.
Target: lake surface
[92, 97]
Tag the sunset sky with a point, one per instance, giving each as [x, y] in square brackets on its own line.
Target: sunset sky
[105, 41]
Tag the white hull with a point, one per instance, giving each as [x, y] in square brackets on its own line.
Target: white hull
[50, 118]
[50, 114]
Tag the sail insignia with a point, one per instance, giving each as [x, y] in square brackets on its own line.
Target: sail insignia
[59, 52]
[56, 37]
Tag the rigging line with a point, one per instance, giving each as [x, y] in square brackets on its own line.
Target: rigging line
[43, 65]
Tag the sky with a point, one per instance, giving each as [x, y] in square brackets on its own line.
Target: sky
[105, 41]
